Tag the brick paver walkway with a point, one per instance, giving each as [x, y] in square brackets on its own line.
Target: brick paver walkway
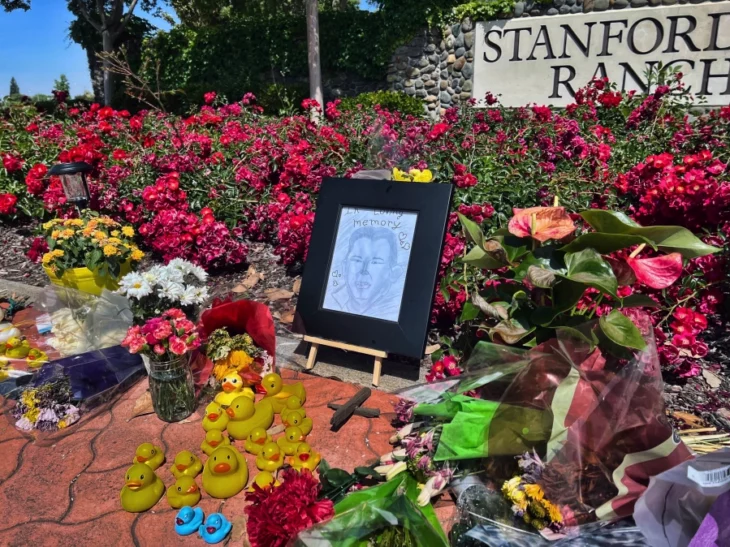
[67, 493]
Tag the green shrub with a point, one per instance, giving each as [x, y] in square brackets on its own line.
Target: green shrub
[393, 101]
[282, 99]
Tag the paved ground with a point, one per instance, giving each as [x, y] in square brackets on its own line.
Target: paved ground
[67, 493]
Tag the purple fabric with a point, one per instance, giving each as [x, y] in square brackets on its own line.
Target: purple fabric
[715, 527]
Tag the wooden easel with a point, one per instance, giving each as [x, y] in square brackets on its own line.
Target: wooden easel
[316, 342]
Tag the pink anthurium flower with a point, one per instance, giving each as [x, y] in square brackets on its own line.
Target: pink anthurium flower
[659, 272]
[542, 223]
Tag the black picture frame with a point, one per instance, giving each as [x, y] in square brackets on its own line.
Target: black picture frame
[407, 336]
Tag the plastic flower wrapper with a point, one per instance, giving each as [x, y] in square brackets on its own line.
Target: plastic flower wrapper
[595, 422]
[385, 515]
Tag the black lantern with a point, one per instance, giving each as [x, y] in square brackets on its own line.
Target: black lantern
[73, 179]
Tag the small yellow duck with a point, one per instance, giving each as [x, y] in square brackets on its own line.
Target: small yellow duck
[245, 416]
[150, 455]
[233, 388]
[183, 492]
[264, 480]
[225, 473]
[291, 440]
[270, 458]
[36, 358]
[186, 464]
[278, 392]
[213, 439]
[17, 347]
[142, 489]
[305, 458]
[256, 441]
[295, 415]
[215, 417]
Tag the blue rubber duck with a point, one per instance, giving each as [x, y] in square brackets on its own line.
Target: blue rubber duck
[188, 520]
[215, 529]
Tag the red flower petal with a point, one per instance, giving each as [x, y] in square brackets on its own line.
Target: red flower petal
[659, 272]
[541, 223]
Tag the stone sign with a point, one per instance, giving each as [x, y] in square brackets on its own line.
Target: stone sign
[545, 60]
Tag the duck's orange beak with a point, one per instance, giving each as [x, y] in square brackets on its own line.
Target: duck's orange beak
[193, 488]
[228, 387]
[213, 416]
[222, 468]
[214, 443]
[134, 485]
[274, 458]
[303, 457]
[260, 389]
[142, 459]
[229, 411]
[261, 441]
[181, 467]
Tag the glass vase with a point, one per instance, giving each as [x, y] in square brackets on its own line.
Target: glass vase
[172, 388]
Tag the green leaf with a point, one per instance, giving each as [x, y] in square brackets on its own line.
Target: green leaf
[621, 330]
[337, 477]
[479, 258]
[496, 310]
[605, 243]
[666, 238]
[541, 277]
[469, 312]
[473, 231]
[548, 258]
[587, 267]
[566, 294]
[511, 331]
[638, 301]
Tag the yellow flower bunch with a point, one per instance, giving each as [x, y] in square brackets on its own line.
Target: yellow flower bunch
[530, 499]
[94, 243]
[414, 175]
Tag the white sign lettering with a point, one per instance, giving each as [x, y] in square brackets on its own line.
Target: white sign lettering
[545, 60]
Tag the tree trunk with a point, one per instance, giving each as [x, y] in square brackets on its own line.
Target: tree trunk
[108, 46]
[315, 71]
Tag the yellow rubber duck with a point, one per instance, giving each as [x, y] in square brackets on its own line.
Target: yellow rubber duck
[278, 392]
[186, 464]
[305, 458]
[270, 458]
[183, 492]
[245, 416]
[142, 489]
[295, 415]
[17, 348]
[233, 388]
[264, 480]
[215, 417]
[256, 441]
[149, 454]
[213, 439]
[291, 440]
[225, 473]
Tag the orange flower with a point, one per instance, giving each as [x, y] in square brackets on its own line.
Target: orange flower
[542, 223]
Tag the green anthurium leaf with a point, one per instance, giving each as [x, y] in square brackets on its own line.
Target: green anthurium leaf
[479, 258]
[469, 312]
[589, 268]
[591, 339]
[541, 277]
[666, 238]
[473, 231]
[605, 243]
[621, 330]
[545, 257]
[566, 294]
[337, 477]
[530, 343]
[638, 301]
[323, 466]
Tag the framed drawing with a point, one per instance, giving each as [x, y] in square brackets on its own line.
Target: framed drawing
[370, 275]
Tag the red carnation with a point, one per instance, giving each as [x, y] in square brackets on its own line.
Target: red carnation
[7, 204]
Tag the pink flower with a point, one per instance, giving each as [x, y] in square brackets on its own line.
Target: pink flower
[209, 97]
[178, 345]
[159, 350]
[162, 331]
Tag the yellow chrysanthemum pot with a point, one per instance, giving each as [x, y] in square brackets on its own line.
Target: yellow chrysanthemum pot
[84, 280]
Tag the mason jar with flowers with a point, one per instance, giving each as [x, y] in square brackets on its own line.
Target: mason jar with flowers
[89, 254]
[167, 342]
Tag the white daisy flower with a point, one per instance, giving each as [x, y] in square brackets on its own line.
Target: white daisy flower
[188, 297]
[200, 294]
[171, 290]
[134, 285]
[173, 274]
[153, 276]
[199, 273]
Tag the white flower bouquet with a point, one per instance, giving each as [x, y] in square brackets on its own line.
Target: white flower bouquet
[178, 284]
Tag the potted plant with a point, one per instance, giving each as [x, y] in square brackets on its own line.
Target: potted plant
[89, 254]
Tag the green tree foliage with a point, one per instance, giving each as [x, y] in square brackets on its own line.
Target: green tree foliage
[62, 84]
[12, 5]
[14, 87]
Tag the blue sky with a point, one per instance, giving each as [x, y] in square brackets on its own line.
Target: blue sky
[36, 50]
